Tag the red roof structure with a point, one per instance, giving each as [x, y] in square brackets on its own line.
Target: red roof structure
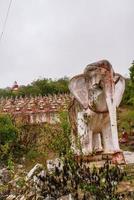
[15, 86]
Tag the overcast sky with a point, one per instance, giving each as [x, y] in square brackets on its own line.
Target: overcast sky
[54, 38]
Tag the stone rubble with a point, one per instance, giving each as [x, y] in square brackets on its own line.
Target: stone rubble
[5, 176]
[29, 186]
[11, 197]
[34, 171]
[51, 164]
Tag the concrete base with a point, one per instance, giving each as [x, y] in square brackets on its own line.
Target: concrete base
[116, 158]
[129, 157]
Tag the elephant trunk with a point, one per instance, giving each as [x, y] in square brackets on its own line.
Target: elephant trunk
[113, 121]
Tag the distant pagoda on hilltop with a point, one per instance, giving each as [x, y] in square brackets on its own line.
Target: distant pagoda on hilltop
[15, 87]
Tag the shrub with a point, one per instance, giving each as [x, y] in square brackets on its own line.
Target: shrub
[61, 142]
[8, 136]
[8, 131]
[83, 183]
[127, 120]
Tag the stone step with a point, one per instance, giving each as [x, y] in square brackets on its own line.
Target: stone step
[129, 158]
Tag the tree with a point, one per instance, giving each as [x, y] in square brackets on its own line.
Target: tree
[39, 87]
[128, 98]
[131, 70]
[131, 90]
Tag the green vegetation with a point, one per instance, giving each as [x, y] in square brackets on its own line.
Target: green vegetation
[128, 98]
[33, 142]
[39, 87]
[25, 138]
[8, 136]
[8, 131]
[83, 182]
[126, 111]
[60, 142]
[126, 120]
[39, 142]
[48, 86]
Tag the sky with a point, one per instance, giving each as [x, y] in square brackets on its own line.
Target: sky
[56, 38]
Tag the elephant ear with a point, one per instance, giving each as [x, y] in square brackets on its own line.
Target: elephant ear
[79, 88]
[119, 88]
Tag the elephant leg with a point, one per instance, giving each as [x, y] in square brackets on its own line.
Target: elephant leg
[97, 144]
[87, 142]
[107, 139]
[85, 134]
[74, 145]
[83, 137]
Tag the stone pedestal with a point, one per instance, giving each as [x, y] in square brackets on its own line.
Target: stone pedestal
[116, 158]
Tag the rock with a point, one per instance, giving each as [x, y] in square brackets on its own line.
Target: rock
[15, 183]
[38, 197]
[23, 159]
[66, 197]
[49, 198]
[19, 166]
[129, 157]
[23, 198]
[11, 197]
[31, 195]
[5, 176]
[51, 164]
[36, 169]
[42, 175]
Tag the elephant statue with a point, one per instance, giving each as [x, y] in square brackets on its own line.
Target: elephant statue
[97, 93]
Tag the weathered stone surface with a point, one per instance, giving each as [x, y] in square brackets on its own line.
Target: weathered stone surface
[66, 197]
[11, 197]
[5, 176]
[97, 93]
[33, 188]
[51, 164]
[34, 171]
[129, 157]
[49, 198]
[22, 198]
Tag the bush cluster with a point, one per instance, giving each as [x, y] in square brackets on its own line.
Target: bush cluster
[82, 182]
[8, 136]
[39, 87]
[128, 98]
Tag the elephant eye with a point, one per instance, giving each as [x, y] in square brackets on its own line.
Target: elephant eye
[97, 86]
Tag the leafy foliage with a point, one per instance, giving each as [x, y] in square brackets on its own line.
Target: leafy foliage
[76, 178]
[7, 130]
[8, 135]
[61, 141]
[39, 87]
[128, 98]
[131, 69]
[82, 182]
[127, 120]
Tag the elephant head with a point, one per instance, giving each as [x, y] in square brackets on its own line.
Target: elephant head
[100, 89]
[96, 84]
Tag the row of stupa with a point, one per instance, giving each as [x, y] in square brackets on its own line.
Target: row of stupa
[38, 109]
